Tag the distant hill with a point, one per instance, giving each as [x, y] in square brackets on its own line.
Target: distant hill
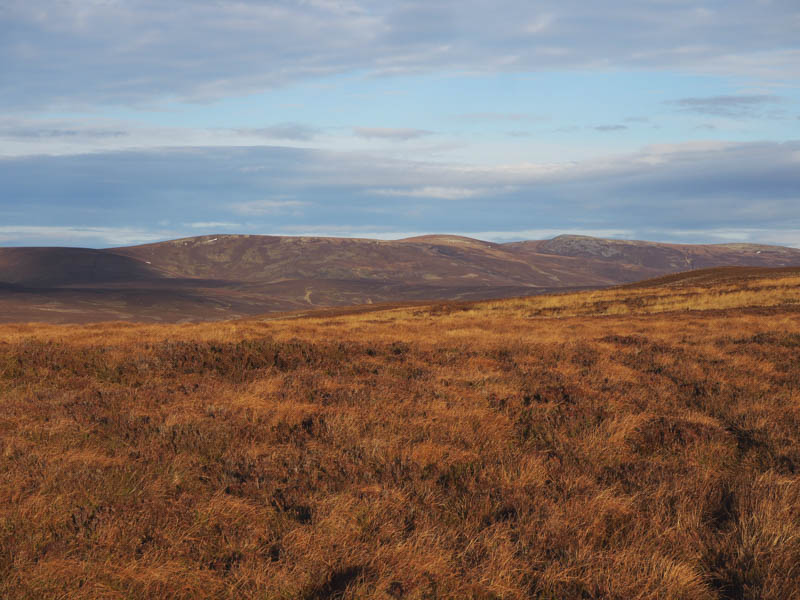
[227, 276]
[53, 267]
[659, 256]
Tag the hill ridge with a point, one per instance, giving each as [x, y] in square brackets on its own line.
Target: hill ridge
[220, 276]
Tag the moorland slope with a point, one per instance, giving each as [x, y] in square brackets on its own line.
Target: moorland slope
[616, 444]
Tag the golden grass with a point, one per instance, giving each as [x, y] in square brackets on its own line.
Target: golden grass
[618, 444]
[764, 292]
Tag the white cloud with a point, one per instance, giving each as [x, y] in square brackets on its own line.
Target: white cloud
[539, 25]
[20, 136]
[268, 207]
[48, 235]
[214, 224]
[440, 193]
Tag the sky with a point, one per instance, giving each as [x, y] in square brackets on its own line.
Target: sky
[133, 121]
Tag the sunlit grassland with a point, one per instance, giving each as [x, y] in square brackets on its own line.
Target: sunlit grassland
[628, 443]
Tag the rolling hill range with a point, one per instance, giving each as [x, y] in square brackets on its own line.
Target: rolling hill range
[229, 276]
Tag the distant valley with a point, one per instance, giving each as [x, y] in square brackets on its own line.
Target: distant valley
[231, 276]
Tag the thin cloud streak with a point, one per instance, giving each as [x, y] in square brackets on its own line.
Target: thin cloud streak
[726, 106]
[605, 128]
[434, 192]
[15, 235]
[267, 207]
[214, 225]
[283, 131]
[389, 133]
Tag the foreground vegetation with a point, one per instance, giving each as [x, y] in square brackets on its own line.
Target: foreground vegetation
[637, 443]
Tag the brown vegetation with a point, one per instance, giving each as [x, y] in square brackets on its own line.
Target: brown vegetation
[620, 444]
[223, 277]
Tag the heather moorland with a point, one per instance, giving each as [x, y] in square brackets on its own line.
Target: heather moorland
[639, 442]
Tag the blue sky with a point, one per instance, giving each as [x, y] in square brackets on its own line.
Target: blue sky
[133, 121]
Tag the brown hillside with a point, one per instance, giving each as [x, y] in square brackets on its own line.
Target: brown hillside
[665, 257]
[270, 259]
[53, 267]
